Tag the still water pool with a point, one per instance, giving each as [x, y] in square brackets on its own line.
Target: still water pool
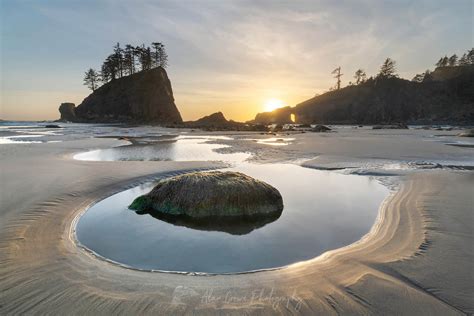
[322, 211]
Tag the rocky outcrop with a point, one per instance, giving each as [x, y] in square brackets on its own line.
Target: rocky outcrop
[278, 116]
[320, 129]
[213, 196]
[218, 122]
[143, 97]
[467, 133]
[215, 120]
[447, 99]
[68, 112]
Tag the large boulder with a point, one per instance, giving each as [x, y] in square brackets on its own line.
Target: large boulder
[320, 129]
[143, 97]
[212, 196]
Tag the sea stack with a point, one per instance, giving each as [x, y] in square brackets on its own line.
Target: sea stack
[67, 111]
[143, 97]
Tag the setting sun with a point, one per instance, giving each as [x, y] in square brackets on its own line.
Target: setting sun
[273, 104]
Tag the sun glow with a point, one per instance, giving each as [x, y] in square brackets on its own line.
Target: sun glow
[273, 104]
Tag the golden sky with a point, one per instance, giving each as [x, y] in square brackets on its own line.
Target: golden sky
[229, 56]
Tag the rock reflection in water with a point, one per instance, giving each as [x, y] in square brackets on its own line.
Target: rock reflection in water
[233, 226]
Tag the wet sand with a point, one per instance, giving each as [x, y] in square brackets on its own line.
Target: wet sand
[416, 260]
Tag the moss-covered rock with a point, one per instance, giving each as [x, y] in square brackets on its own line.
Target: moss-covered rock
[208, 195]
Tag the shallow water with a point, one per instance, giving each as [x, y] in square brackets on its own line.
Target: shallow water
[179, 148]
[322, 211]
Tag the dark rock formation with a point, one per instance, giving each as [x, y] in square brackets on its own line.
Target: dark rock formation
[320, 129]
[211, 196]
[468, 133]
[144, 97]
[214, 120]
[68, 112]
[278, 116]
[447, 99]
[218, 122]
[52, 126]
[392, 126]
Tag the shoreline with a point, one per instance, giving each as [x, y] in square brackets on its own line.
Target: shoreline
[43, 270]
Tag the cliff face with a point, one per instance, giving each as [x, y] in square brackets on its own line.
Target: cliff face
[449, 98]
[144, 97]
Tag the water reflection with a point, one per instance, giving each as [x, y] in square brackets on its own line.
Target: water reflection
[180, 148]
[233, 226]
[323, 211]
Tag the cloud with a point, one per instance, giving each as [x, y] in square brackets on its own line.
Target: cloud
[228, 54]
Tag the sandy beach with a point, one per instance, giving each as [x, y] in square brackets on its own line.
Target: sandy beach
[416, 260]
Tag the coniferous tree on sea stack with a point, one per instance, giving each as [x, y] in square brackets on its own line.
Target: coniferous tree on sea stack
[91, 79]
[388, 70]
[160, 57]
[337, 74]
[127, 61]
[360, 76]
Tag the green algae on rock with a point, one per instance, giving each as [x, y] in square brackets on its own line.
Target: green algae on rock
[214, 194]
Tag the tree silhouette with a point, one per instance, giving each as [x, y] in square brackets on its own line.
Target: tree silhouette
[427, 76]
[91, 79]
[424, 77]
[126, 61]
[110, 69]
[453, 60]
[137, 53]
[440, 62]
[159, 55]
[144, 57]
[444, 61]
[470, 56]
[337, 74]
[118, 57]
[388, 70]
[418, 78]
[360, 76]
[463, 60]
[129, 59]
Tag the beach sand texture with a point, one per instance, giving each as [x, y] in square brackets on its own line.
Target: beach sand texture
[417, 259]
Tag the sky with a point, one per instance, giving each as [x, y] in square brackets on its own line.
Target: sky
[229, 56]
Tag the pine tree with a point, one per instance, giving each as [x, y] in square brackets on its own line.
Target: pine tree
[388, 70]
[427, 76]
[129, 59]
[160, 57]
[337, 74]
[444, 61]
[110, 69]
[144, 57]
[360, 76]
[440, 62]
[118, 56]
[453, 60]
[470, 56]
[463, 60]
[91, 79]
